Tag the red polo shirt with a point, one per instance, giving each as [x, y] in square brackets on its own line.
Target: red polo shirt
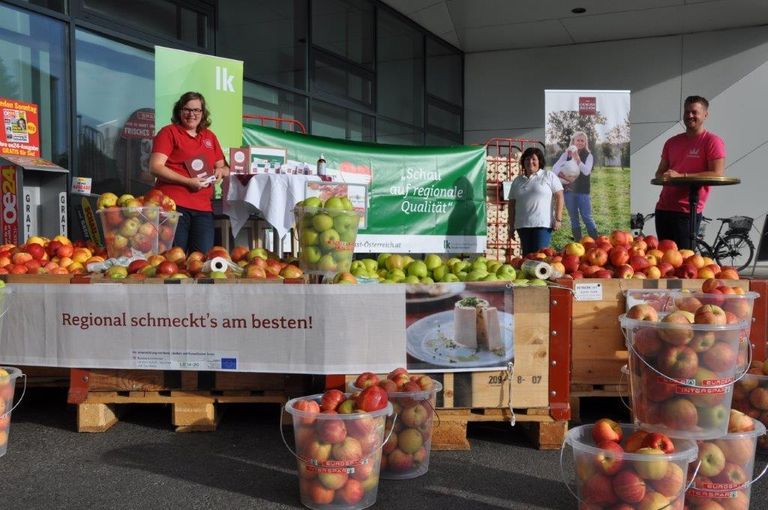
[173, 141]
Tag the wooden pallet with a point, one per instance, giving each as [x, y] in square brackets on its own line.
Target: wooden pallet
[192, 411]
[450, 429]
[579, 391]
[192, 395]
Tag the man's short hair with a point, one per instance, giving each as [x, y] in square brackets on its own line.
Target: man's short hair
[697, 99]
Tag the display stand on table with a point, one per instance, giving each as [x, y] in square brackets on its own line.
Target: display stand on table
[694, 184]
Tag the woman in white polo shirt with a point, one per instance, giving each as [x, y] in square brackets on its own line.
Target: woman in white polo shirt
[535, 193]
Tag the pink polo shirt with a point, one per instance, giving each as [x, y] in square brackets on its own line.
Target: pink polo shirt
[691, 156]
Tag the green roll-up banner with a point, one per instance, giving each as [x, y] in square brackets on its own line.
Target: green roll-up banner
[218, 79]
[421, 199]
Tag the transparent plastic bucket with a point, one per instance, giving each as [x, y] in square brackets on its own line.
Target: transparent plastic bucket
[166, 230]
[607, 478]
[130, 231]
[326, 239]
[725, 477]
[7, 390]
[682, 375]
[750, 396]
[338, 456]
[406, 454]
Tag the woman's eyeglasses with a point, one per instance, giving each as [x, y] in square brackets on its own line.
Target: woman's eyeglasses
[192, 111]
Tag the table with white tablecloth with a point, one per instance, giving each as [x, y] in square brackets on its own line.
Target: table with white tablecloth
[272, 195]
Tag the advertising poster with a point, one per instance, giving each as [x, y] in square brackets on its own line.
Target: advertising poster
[137, 133]
[459, 326]
[587, 147]
[218, 79]
[20, 135]
[422, 199]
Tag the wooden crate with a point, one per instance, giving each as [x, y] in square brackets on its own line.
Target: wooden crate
[192, 395]
[599, 350]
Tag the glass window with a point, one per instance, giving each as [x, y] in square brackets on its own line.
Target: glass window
[444, 118]
[444, 72]
[442, 140]
[336, 122]
[271, 102]
[397, 133]
[115, 105]
[344, 27]
[32, 69]
[330, 76]
[271, 37]
[399, 70]
[54, 5]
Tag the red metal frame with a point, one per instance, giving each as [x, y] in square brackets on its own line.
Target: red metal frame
[500, 151]
[759, 333]
[279, 121]
[560, 315]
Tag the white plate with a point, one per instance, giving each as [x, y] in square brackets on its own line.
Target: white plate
[448, 290]
[430, 339]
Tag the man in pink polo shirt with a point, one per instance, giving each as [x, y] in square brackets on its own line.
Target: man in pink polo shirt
[697, 151]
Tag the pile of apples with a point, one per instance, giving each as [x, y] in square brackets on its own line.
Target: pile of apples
[646, 479]
[726, 466]
[750, 396]
[137, 224]
[397, 268]
[7, 387]
[621, 255]
[406, 452]
[40, 255]
[338, 443]
[255, 264]
[684, 363]
[327, 233]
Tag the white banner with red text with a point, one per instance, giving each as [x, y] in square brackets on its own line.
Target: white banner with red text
[318, 329]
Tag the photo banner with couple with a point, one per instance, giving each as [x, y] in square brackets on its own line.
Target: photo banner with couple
[587, 148]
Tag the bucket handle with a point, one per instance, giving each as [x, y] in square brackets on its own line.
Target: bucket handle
[23, 392]
[621, 385]
[631, 348]
[510, 374]
[679, 495]
[365, 459]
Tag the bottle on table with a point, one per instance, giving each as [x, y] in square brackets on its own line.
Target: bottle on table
[321, 169]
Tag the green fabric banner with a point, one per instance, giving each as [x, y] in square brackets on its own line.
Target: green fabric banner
[421, 199]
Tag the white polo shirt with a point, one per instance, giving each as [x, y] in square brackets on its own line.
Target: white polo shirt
[533, 198]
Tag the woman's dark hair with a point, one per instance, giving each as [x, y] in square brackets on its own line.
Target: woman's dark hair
[205, 117]
[531, 151]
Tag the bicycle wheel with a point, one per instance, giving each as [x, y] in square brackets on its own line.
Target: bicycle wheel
[734, 250]
[703, 249]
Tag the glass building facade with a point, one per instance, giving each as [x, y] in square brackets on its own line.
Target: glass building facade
[352, 69]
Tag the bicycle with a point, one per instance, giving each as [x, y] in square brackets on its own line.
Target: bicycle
[732, 248]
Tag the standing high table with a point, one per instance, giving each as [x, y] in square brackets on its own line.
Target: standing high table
[694, 184]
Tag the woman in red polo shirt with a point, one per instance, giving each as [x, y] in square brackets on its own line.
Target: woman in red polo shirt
[186, 138]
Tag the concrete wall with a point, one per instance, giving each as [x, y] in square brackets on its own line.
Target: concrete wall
[504, 97]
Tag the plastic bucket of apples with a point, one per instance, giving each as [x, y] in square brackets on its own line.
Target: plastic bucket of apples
[621, 466]
[166, 230]
[750, 396]
[725, 476]
[338, 438]
[406, 453]
[327, 234]
[682, 369]
[8, 377]
[130, 231]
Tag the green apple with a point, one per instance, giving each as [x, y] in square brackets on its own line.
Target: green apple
[309, 237]
[382, 273]
[116, 272]
[326, 263]
[394, 262]
[411, 279]
[335, 205]
[346, 223]
[479, 264]
[417, 268]
[493, 266]
[537, 282]
[322, 222]
[451, 261]
[257, 252]
[490, 277]
[506, 272]
[311, 254]
[381, 260]
[522, 282]
[346, 204]
[449, 277]
[433, 261]
[459, 266]
[312, 202]
[359, 271]
[357, 264]
[462, 276]
[329, 240]
[371, 265]
[396, 275]
[439, 272]
[426, 280]
[476, 275]
[217, 274]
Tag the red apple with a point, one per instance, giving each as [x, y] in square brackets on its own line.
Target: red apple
[720, 358]
[673, 482]
[677, 328]
[709, 314]
[679, 414]
[610, 458]
[606, 429]
[634, 441]
[598, 490]
[372, 398]
[331, 399]
[628, 486]
[660, 441]
[618, 256]
[678, 362]
[643, 312]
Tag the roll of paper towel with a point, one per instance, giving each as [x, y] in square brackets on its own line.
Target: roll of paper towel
[533, 269]
[220, 264]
